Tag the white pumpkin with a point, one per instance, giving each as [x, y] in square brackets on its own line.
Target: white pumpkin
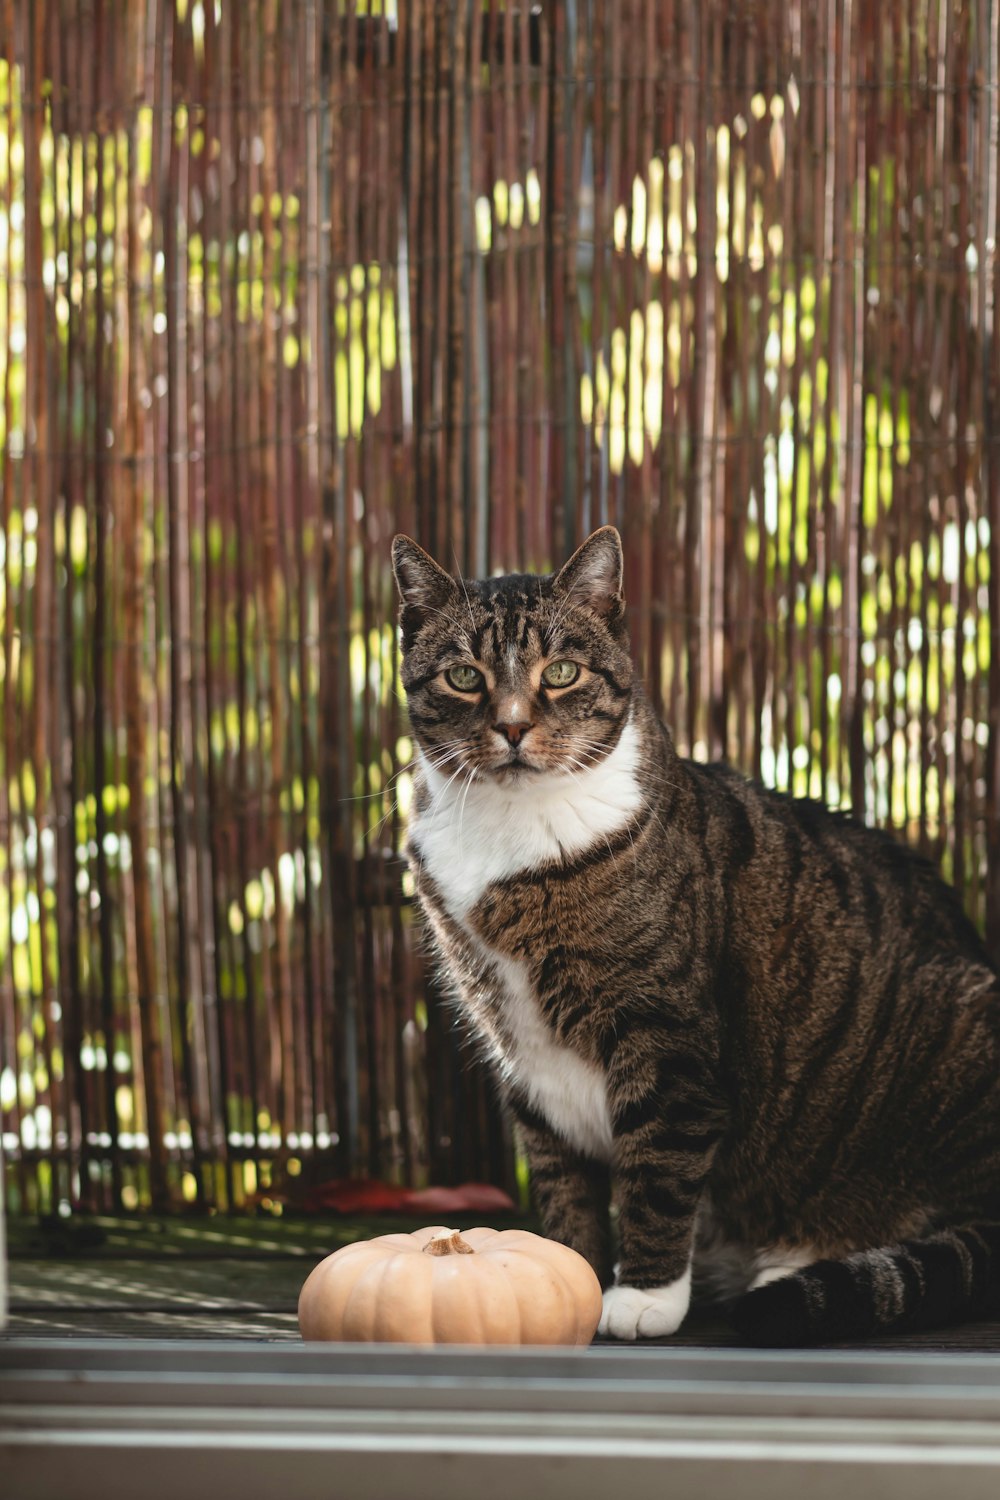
[437, 1286]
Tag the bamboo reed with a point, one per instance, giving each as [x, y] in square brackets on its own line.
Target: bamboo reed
[277, 281]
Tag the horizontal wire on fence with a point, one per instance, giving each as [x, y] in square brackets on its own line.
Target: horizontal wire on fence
[796, 260]
[921, 87]
[196, 646]
[376, 866]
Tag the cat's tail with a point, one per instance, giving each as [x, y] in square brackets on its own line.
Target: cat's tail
[949, 1277]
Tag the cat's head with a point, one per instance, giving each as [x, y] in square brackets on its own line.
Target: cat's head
[516, 676]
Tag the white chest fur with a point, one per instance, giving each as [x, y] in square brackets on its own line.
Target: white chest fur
[472, 835]
[563, 1086]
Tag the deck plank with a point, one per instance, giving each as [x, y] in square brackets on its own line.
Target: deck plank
[240, 1279]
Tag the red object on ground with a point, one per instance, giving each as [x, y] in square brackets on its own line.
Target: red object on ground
[470, 1198]
[363, 1195]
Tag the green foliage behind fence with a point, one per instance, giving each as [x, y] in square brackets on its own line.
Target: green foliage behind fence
[278, 280]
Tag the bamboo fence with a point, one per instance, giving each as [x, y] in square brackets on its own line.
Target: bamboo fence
[277, 280]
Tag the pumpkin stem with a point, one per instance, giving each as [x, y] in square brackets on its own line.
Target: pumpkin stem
[447, 1242]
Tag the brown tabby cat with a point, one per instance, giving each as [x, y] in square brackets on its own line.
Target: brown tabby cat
[772, 1027]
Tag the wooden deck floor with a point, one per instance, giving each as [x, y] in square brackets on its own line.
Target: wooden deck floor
[240, 1279]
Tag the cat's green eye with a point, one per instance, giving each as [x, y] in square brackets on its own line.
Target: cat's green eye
[466, 679]
[560, 673]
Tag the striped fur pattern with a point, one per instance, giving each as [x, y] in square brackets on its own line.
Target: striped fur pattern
[919, 1284]
[770, 1033]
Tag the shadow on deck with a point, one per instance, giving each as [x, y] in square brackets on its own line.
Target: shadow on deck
[240, 1278]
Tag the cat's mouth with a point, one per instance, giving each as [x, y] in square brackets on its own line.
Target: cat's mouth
[512, 768]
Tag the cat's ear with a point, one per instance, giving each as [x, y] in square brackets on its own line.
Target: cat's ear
[423, 585]
[593, 575]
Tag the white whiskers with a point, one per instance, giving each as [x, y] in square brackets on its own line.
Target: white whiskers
[477, 829]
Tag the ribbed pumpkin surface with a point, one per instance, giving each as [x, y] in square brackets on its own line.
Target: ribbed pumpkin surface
[434, 1286]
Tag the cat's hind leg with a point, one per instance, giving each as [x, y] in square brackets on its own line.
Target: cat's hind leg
[927, 1283]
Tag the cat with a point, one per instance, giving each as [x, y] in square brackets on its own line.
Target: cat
[772, 1028]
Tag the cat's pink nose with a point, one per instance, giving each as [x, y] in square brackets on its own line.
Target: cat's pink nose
[513, 733]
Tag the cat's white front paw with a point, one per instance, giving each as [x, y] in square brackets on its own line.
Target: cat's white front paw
[654, 1313]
